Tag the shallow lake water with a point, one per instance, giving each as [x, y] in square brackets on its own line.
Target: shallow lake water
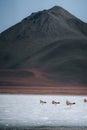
[26, 110]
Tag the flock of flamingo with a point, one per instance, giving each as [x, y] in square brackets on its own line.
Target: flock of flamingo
[68, 103]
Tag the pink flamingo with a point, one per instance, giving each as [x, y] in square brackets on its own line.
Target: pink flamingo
[55, 102]
[68, 103]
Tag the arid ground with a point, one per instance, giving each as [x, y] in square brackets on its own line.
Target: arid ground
[36, 82]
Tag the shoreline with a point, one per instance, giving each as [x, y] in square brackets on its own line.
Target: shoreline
[43, 94]
[39, 90]
[45, 128]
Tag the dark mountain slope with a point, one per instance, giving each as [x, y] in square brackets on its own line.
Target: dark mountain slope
[53, 41]
[66, 59]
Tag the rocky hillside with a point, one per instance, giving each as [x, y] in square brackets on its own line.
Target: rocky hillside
[52, 41]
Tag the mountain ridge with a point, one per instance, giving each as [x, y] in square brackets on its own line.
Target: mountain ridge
[57, 12]
[51, 43]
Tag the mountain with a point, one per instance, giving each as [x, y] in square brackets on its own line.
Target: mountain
[49, 47]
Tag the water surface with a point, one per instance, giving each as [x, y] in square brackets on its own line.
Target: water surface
[26, 110]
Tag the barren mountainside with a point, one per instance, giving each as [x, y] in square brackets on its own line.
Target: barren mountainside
[47, 46]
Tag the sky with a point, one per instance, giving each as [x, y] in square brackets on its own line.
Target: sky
[13, 11]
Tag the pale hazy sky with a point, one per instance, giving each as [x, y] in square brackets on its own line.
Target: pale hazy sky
[13, 11]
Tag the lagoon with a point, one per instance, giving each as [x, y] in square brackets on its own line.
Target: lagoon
[26, 110]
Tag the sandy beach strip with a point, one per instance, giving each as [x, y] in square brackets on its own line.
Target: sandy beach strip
[43, 90]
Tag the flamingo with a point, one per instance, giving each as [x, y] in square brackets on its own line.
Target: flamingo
[55, 102]
[42, 102]
[68, 103]
[85, 100]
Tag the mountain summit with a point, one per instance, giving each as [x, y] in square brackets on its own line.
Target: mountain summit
[50, 44]
[55, 22]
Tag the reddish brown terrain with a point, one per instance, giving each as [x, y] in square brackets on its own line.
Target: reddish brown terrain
[37, 83]
[46, 53]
